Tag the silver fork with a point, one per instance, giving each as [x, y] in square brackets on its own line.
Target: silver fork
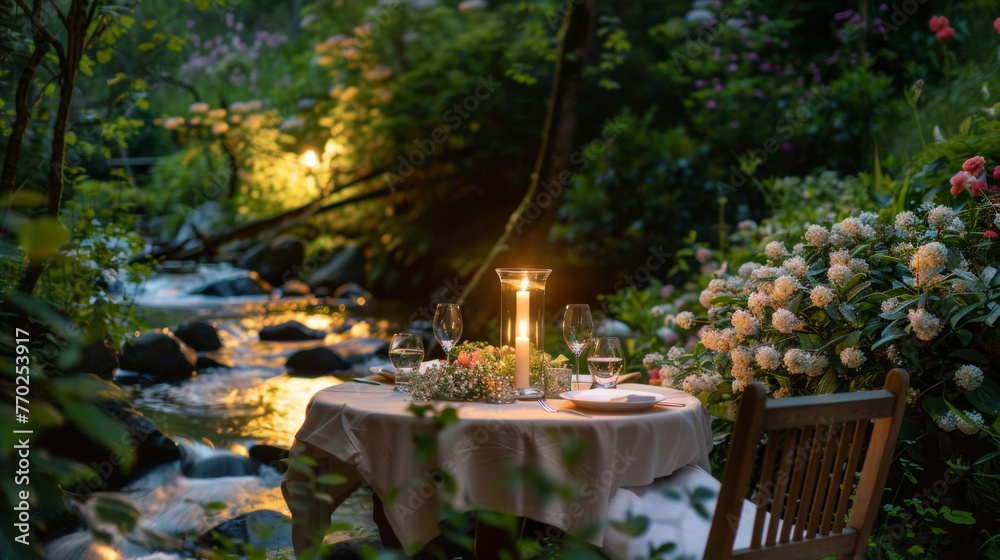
[545, 406]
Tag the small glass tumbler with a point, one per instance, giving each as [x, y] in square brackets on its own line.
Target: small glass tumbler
[558, 380]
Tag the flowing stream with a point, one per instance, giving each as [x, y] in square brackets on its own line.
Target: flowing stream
[216, 416]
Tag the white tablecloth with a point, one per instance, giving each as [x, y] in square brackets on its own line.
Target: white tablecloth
[363, 432]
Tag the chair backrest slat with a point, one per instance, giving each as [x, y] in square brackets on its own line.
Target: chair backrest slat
[809, 467]
[765, 491]
[850, 473]
[781, 487]
[846, 438]
[798, 470]
[809, 516]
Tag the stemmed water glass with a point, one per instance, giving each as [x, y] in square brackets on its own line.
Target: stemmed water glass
[447, 325]
[578, 327]
[406, 351]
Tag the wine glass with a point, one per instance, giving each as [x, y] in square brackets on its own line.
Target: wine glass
[605, 361]
[447, 325]
[578, 327]
[406, 351]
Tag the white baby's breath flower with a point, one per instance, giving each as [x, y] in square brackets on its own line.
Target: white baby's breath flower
[746, 269]
[768, 358]
[924, 324]
[675, 353]
[745, 323]
[706, 297]
[684, 320]
[974, 424]
[852, 357]
[839, 274]
[798, 248]
[969, 377]
[955, 225]
[904, 222]
[796, 266]
[785, 321]
[742, 359]
[948, 422]
[775, 250]
[927, 260]
[840, 256]
[858, 266]
[706, 382]
[817, 365]
[817, 235]
[796, 360]
[652, 359]
[821, 296]
[784, 289]
[710, 338]
[782, 392]
[868, 218]
[938, 216]
[757, 302]
[850, 227]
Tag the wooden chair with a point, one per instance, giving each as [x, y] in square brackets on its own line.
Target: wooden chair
[810, 501]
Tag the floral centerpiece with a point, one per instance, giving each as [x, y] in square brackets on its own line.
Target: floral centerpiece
[478, 372]
[918, 290]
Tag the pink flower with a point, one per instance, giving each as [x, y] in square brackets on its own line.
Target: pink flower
[989, 234]
[654, 374]
[711, 104]
[996, 24]
[938, 23]
[959, 182]
[667, 290]
[703, 255]
[945, 35]
[977, 187]
[996, 173]
[974, 165]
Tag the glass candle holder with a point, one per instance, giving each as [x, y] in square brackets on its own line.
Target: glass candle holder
[522, 326]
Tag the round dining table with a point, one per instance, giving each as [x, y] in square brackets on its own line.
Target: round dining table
[483, 460]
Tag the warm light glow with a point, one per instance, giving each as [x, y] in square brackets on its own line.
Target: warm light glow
[310, 159]
[522, 329]
[524, 284]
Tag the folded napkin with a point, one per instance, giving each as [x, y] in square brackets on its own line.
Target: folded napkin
[615, 395]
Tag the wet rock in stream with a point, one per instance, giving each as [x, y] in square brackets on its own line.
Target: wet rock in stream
[217, 465]
[290, 331]
[271, 456]
[199, 335]
[315, 362]
[160, 356]
[276, 261]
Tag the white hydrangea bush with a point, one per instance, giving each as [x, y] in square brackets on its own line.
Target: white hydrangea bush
[917, 289]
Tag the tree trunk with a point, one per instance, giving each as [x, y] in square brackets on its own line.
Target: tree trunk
[22, 111]
[77, 23]
[532, 219]
[556, 175]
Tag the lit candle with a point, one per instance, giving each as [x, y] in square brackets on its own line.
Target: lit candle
[521, 340]
[521, 353]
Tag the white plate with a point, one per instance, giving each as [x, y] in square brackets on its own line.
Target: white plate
[612, 399]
